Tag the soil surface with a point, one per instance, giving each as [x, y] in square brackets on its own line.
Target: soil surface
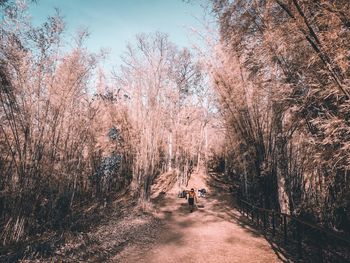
[169, 232]
[214, 232]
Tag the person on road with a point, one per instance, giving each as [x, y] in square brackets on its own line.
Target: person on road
[192, 198]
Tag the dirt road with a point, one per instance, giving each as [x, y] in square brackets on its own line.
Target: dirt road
[212, 233]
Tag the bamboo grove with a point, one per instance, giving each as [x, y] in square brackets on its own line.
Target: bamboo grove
[72, 138]
[282, 73]
[275, 83]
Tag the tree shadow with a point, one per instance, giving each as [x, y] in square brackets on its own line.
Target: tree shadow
[221, 191]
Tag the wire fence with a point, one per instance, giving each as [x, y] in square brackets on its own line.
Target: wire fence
[309, 240]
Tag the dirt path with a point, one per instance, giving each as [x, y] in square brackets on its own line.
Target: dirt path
[212, 233]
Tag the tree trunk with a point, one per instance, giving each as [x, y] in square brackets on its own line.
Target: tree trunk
[282, 163]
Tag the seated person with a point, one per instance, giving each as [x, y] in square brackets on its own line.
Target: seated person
[202, 192]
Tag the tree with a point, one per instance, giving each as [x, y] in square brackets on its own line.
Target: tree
[161, 82]
[294, 52]
[48, 137]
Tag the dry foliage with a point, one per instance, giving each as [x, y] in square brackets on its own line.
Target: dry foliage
[282, 73]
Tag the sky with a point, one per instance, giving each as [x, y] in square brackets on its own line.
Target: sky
[114, 23]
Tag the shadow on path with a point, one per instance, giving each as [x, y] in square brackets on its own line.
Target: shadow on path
[222, 191]
[214, 232]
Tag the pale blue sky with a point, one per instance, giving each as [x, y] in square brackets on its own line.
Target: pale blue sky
[113, 23]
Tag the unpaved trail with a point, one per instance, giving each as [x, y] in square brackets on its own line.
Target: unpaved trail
[212, 233]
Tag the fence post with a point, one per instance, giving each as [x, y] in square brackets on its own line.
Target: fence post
[320, 249]
[299, 238]
[273, 224]
[285, 228]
